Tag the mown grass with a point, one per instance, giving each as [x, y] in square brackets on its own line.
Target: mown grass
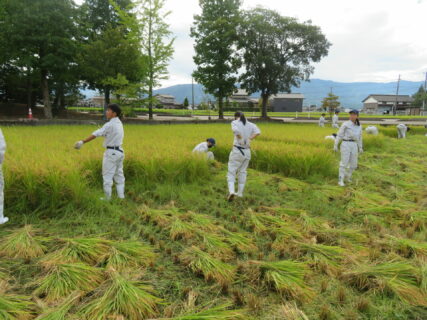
[296, 247]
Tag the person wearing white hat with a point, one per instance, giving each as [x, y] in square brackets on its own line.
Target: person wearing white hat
[204, 147]
[350, 134]
[244, 132]
[3, 219]
[322, 120]
[112, 164]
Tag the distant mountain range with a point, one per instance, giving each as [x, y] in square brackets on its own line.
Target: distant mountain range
[351, 94]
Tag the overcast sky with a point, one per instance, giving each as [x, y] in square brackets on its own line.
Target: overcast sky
[372, 40]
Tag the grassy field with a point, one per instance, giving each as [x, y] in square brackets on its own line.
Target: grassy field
[296, 247]
[180, 112]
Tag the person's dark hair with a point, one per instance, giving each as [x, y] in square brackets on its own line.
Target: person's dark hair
[408, 129]
[115, 108]
[336, 112]
[357, 122]
[240, 115]
[334, 135]
[323, 114]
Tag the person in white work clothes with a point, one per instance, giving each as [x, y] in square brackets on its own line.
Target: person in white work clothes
[372, 130]
[244, 132]
[204, 148]
[112, 164]
[335, 119]
[350, 134]
[322, 120]
[402, 129]
[3, 219]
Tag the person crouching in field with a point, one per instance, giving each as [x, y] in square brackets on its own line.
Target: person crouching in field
[3, 219]
[402, 129]
[350, 134]
[372, 130]
[112, 164]
[322, 120]
[204, 148]
[244, 132]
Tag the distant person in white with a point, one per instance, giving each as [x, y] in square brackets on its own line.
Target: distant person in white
[331, 137]
[3, 219]
[322, 120]
[350, 134]
[402, 129]
[244, 132]
[112, 164]
[204, 148]
[372, 130]
[335, 119]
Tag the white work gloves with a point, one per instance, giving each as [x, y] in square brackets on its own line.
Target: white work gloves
[79, 144]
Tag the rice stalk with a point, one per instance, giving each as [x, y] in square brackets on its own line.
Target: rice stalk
[22, 243]
[203, 263]
[60, 312]
[121, 297]
[216, 246]
[240, 241]
[318, 252]
[62, 279]
[129, 254]
[411, 248]
[220, 312]
[13, 307]
[290, 311]
[181, 230]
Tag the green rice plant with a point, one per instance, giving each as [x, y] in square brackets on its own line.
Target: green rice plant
[220, 312]
[287, 277]
[202, 222]
[290, 311]
[181, 230]
[61, 279]
[255, 223]
[129, 254]
[215, 246]
[88, 250]
[162, 218]
[239, 241]
[121, 297]
[401, 278]
[212, 269]
[22, 243]
[409, 248]
[13, 307]
[60, 312]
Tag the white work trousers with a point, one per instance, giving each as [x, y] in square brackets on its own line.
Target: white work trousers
[112, 170]
[349, 155]
[238, 162]
[401, 133]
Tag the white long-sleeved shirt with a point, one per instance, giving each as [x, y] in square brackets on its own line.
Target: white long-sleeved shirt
[2, 146]
[322, 121]
[402, 126]
[350, 131]
[201, 147]
[113, 133]
[245, 131]
[335, 119]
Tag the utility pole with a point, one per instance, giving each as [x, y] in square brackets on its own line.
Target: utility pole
[425, 94]
[397, 93]
[192, 92]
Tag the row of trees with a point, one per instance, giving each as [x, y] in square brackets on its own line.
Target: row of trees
[260, 49]
[55, 47]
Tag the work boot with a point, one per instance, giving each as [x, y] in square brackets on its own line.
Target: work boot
[3, 220]
[120, 191]
[341, 181]
[241, 187]
[349, 175]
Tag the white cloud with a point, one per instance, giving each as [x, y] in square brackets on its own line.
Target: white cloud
[372, 40]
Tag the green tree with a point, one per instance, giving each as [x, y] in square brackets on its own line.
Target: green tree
[41, 39]
[186, 103]
[215, 34]
[331, 103]
[420, 98]
[277, 52]
[157, 44]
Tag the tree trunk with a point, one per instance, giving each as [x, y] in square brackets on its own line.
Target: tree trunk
[107, 100]
[264, 106]
[46, 98]
[29, 91]
[150, 101]
[220, 108]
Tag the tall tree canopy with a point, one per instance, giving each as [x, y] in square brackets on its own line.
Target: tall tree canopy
[277, 52]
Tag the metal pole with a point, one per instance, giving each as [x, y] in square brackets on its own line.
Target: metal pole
[397, 93]
[192, 93]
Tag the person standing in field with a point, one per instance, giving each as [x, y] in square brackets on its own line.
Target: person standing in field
[335, 119]
[350, 134]
[3, 219]
[402, 129]
[204, 148]
[244, 132]
[322, 120]
[112, 164]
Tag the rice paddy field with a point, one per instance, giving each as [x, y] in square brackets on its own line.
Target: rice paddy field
[296, 247]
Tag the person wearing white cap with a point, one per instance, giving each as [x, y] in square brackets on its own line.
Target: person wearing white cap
[402, 129]
[244, 132]
[322, 120]
[333, 136]
[112, 164]
[350, 134]
[372, 130]
[204, 147]
[335, 119]
[3, 219]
